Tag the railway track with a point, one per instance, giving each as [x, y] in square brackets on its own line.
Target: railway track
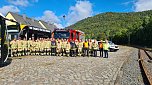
[145, 61]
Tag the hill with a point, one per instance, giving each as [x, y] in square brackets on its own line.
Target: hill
[122, 28]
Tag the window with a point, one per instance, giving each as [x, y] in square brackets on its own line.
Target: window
[61, 34]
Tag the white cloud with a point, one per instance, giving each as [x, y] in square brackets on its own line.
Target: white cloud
[81, 10]
[58, 25]
[5, 9]
[23, 3]
[19, 2]
[142, 5]
[50, 17]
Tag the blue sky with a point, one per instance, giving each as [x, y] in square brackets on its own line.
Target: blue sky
[52, 10]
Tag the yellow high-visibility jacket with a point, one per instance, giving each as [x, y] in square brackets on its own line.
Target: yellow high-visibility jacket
[13, 44]
[86, 44]
[19, 44]
[59, 45]
[95, 46]
[24, 46]
[80, 45]
[106, 46]
[68, 46]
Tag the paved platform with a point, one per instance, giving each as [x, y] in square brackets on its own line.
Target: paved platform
[52, 70]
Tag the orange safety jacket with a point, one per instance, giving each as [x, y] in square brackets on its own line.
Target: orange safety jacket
[100, 45]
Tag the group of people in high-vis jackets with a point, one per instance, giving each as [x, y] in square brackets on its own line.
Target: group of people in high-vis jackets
[58, 47]
[90, 48]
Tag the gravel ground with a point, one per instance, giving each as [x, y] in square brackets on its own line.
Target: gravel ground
[51, 70]
[130, 73]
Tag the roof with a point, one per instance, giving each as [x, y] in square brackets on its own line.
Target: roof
[26, 21]
[48, 25]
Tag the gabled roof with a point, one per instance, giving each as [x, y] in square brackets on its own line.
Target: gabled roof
[26, 21]
[48, 26]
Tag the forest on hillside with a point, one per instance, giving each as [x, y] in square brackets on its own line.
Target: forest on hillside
[122, 28]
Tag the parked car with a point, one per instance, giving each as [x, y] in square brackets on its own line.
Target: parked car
[113, 47]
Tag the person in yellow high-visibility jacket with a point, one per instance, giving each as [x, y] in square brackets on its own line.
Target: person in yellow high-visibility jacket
[106, 48]
[80, 47]
[29, 48]
[42, 46]
[48, 46]
[13, 44]
[64, 46]
[90, 47]
[37, 46]
[33, 45]
[45, 46]
[58, 49]
[68, 47]
[24, 46]
[76, 42]
[86, 48]
[95, 47]
[19, 47]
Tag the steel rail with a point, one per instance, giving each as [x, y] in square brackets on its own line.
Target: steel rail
[144, 58]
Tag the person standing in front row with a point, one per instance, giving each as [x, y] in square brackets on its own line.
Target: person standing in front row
[80, 47]
[19, 47]
[95, 48]
[106, 48]
[68, 47]
[13, 44]
[58, 49]
[53, 47]
[86, 48]
[101, 48]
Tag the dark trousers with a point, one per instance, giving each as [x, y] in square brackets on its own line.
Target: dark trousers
[77, 51]
[24, 51]
[53, 50]
[95, 53]
[73, 52]
[106, 53]
[91, 52]
[86, 51]
[101, 51]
